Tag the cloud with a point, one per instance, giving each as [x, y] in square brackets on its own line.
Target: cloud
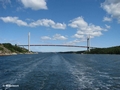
[42, 22]
[15, 20]
[78, 22]
[54, 37]
[74, 42]
[34, 4]
[84, 29]
[78, 35]
[107, 19]
[107, 26]
[59, 26]
[48, 23]
[59, 37]
[112, 7]
[45, 38]
[4, 3]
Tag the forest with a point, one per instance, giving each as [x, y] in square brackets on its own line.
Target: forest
[109, 50]
[9, 48]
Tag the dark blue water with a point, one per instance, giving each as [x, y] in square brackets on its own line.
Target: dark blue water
[53, 71]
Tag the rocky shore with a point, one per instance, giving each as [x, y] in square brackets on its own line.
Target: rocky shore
[9, 49]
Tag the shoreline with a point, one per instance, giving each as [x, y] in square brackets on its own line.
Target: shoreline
[9, 54]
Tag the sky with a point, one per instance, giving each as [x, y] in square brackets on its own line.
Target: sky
[64, 22]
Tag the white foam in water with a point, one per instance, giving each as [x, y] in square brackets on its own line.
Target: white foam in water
[21, 74]
[80, 76]
[83, 74]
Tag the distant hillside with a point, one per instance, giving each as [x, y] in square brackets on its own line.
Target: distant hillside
[7, 48]
[75, 52]
[110, 50]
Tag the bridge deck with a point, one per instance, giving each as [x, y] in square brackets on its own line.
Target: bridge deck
[58, 45]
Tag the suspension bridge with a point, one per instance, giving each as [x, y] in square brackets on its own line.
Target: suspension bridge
[87, 46]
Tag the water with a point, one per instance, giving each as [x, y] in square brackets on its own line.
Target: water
[53, 71]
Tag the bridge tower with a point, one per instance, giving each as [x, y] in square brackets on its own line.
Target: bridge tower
[29, 41]
[88, 43]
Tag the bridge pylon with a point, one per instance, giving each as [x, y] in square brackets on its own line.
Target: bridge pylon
[29, 41]
[88, 43]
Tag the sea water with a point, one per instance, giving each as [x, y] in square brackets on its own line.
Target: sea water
[55, 71]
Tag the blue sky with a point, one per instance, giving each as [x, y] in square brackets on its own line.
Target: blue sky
[64, 22]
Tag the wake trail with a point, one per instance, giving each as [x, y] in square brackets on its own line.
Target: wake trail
[17, 73]
[82, 79]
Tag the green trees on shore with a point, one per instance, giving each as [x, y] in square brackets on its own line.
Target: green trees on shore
[12, 48]
[110, 50]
